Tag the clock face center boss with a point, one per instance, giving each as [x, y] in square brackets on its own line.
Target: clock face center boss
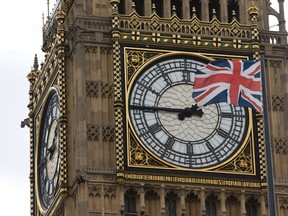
[168, 124]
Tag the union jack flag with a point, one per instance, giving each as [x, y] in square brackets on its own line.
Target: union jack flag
[232, 81]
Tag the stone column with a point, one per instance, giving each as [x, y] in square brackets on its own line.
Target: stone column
[121, 203]
[166, 8]
[242, 203]
[282, 21]
[263, 206]
[205, 10]
[142, 199]
[202, 202]
[223, 11]
[243, 12]
[148, 7]
[162, 199]
[102, 200]
[128, 6]
[182, 201]
[186, 9]
[222, 202]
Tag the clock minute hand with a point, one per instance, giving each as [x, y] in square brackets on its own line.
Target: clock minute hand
[149, 108]
[186, 112]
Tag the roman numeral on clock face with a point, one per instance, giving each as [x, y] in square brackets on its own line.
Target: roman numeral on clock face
[209, 146]
[222, 133]
[169, 143]
[167, 79]
[190, 150]
[226, 115]
[155, 128]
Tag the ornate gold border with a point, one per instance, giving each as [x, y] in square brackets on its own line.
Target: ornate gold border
[128, 29]
[51, 78]
[129, 79]
[39, 118]
[189, 180]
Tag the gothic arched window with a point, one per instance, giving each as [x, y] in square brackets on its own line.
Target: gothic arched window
[130, 202]
[170, 203]
[211, 206]
[192, 205]
[251, 207]
[214, 6]
[233, 8]
[159, 7]
[121, 7]
[139, 6]
[197, 5]
[178, 6]
[152, 202]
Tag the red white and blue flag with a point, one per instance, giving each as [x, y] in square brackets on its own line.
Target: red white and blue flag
[235, 82]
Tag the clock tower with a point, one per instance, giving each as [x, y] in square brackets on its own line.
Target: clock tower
[114, 129]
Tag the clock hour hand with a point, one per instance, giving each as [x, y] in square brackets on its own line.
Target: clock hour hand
[188, 112]
[52, 148]
[183, 113]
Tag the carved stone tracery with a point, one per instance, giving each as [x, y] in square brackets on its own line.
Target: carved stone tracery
[283, 202]
[96, 132]
[94, 190]
[99, 89]
[277, 103]
[280, 145]
[93, 132]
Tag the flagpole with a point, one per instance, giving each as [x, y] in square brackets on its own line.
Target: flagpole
[267, 141]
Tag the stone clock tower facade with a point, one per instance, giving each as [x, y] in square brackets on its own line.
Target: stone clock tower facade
[113, 126]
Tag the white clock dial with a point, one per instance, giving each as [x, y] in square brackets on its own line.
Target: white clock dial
[168, 123]
[48, 152]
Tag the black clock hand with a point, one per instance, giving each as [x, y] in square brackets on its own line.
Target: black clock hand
[149, 108]
[43, 161]
[52, 148]
[186, 112]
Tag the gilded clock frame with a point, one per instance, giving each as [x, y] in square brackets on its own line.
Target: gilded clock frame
[135, 153]
[50, 77]
[152, 36]
[38, 124]
[137, 156]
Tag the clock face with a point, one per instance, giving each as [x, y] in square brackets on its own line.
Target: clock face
[167, 122]
[48, 152]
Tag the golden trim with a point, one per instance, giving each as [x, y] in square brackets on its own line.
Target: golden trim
[128, 84]
[189, 180]
[39, 119]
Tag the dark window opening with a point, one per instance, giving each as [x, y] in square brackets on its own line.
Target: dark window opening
[251, 207]
[233, 6]
[121, 7]
[214, 5]
[139, 6]
[170, 203]
[178, 7]
[130, 202]
[159, 7]
[197, 5]
[211, 206]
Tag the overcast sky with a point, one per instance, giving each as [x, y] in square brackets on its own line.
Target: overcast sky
[20, 40]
